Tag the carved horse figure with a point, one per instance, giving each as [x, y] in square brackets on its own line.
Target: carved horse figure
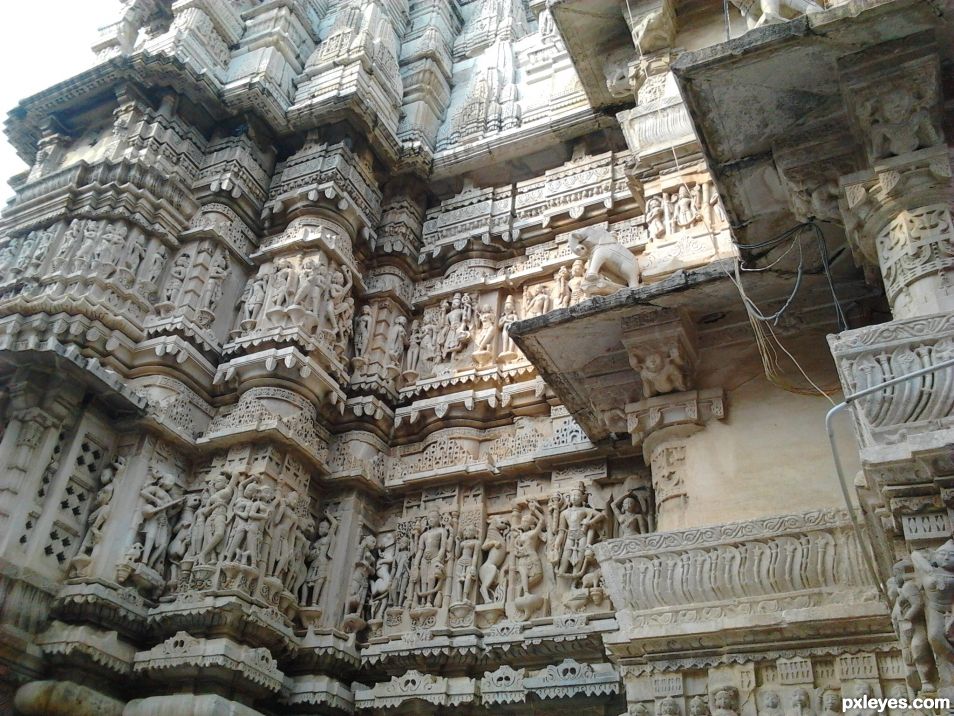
[604, 251]
[762, 12]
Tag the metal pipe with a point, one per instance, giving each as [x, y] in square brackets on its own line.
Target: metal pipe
[839, 471]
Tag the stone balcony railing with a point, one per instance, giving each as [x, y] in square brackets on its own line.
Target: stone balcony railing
[785, 568]
[868, 356]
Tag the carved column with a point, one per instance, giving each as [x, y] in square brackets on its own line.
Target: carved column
[662, 349]
[898, 210]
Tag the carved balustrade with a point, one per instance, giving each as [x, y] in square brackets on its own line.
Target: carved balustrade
[789, 563]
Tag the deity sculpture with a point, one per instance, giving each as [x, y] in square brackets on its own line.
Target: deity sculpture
[396, 340]
[907, 616]
[660, 374]
[562, 294]
[214, 514]
[379, 588]
[249, 513]
[362, 331]
[212, 290]
[576, 531]
[101, 507]
[254, 299]
[900, 126]
[685, 209]
[508, 350]
[527, 537]
[655, 218]
[631, 514]
[67, 244]
[177, 276]
[830, 703]
[283, 524]
[159, 506]
[935, 575]
[363, 569]
[770, 704]
[483, 341]
[412, 357]
[725, 702]
[800, 704]
[575, 284]
[181, 540]
[319, 561]
[429, 570]
[402, 571]
[536, 302]
[84, 254]
[465, 565]
[698, 706]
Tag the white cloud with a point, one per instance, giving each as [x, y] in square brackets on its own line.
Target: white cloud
[41, 43]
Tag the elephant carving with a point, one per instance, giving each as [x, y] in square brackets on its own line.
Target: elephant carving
[611, 266]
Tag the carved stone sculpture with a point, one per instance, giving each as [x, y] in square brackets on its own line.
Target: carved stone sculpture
[576, 531]
[430, 569]
[661, 374]
[360, 580]
[608, 262]
[319, 561]
[159, 507]
[761, 12]
[935, 575]
[908, 617]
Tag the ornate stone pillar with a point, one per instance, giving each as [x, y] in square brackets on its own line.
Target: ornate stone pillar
[898, 210]
[662, 349]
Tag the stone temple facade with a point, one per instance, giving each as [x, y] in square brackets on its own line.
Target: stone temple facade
[474, 356]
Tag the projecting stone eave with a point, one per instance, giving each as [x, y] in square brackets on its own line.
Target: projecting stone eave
[571, 354]
[747, 96]
[23, 123]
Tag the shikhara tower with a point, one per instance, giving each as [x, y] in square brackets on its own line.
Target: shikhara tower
[393, 356]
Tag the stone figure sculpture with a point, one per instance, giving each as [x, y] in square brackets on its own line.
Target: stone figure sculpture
[402, 571]
[181, 540]
[576, 531]
[899, 125]
[159, 507]
[605, 255]
[491, 574]
[465, 565]
[319, 561]
[762, 12]
[360, 580]
[430, 570]
[215, 517]
[725, 702]
[101, 508]
[631, 514]
[660, 373]
[362, 331]
[935, 576]
[800, 703]
[907, 616]
[527, 538]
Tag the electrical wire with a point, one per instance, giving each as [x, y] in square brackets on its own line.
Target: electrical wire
[765, 342]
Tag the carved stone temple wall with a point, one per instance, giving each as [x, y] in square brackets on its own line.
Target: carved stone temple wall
[419, 356]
